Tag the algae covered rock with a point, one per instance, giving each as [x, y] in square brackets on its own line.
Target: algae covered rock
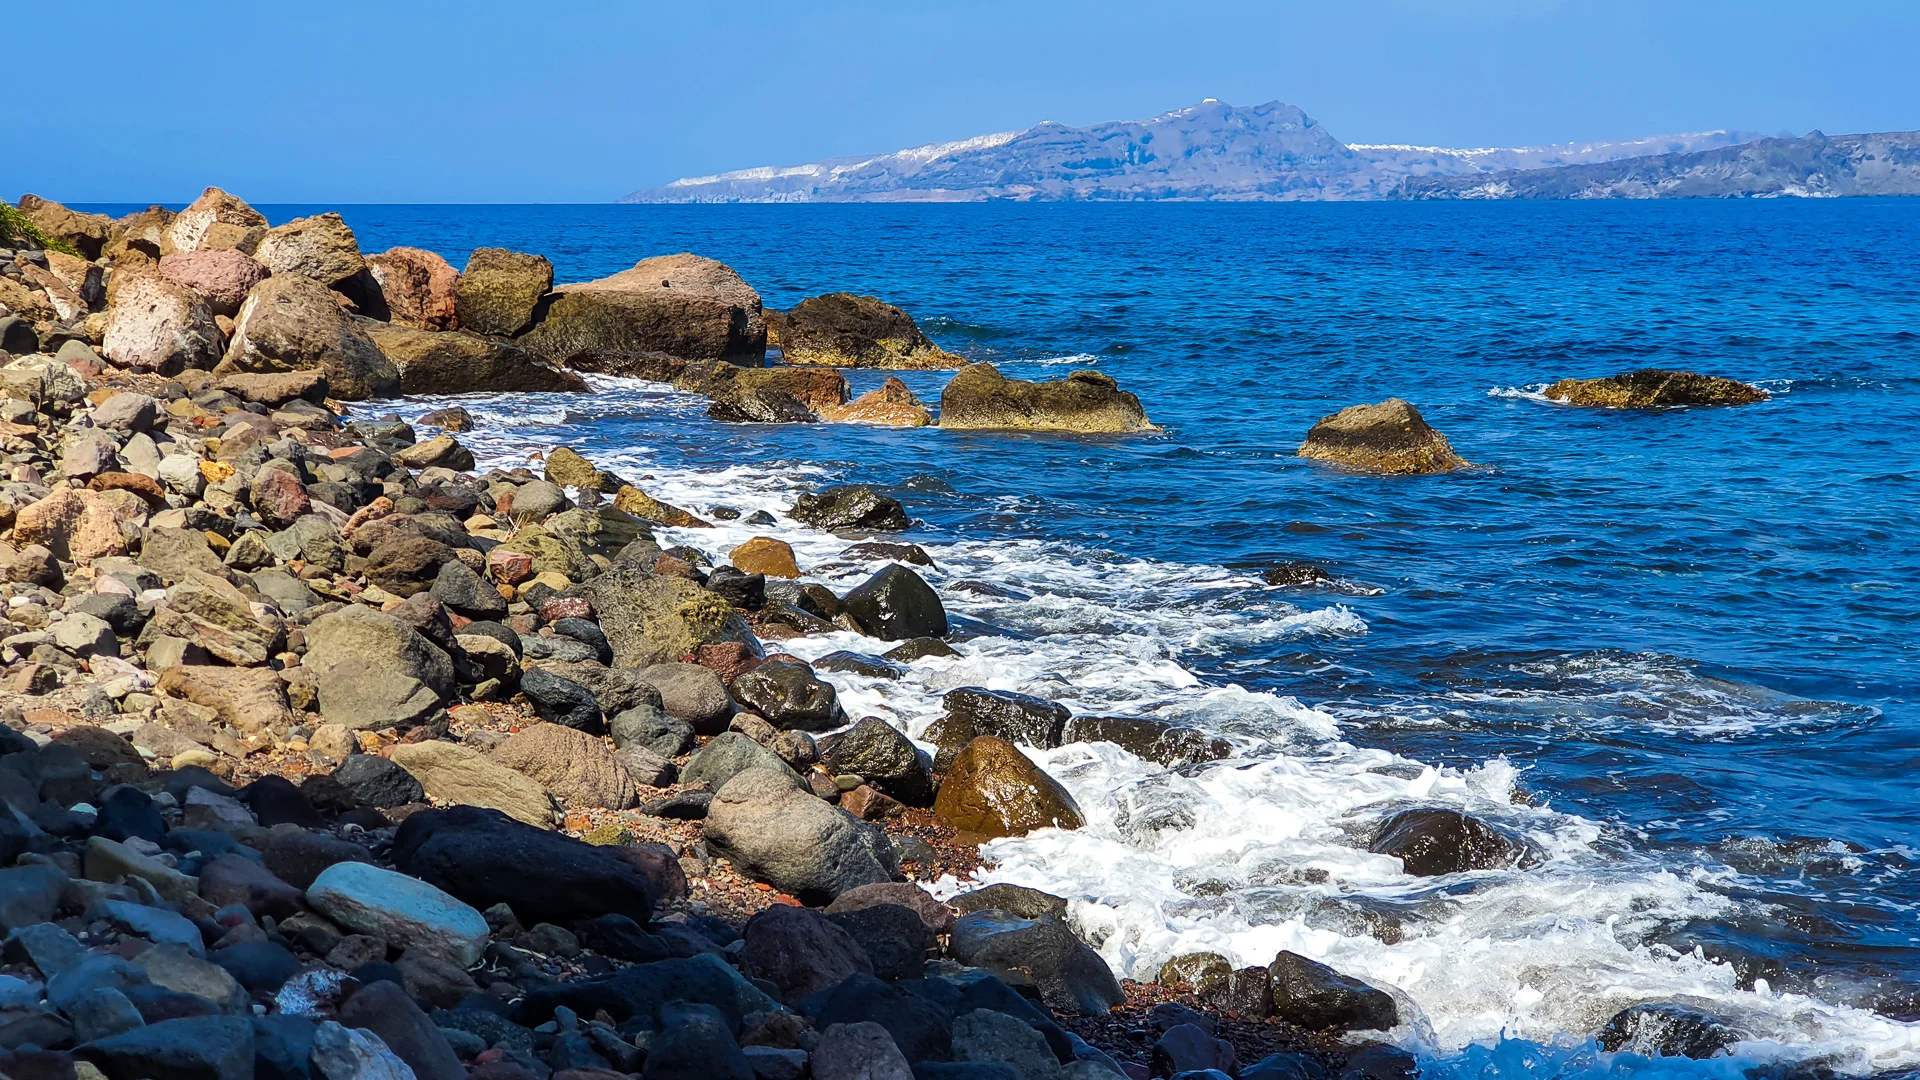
[1088, 402]
[457, 362]
[1389, 437]
[1653, 388]
[653, 620]
[681, 306]
[844, 330]
[500, 291]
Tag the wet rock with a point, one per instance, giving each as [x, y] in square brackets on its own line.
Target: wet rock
[456, 774]
[570, 764]
[1208, 975]
[1653, 388]
[850, 507]
[1014, 718]
[1154, 740]
[562, 701]
[896, 604]
[399, 909]
[291, 323]
[1668, 1030]
[371, 780]
[1388, 437]
[987, 1036]
[979, 397]
[790, 696]
[994, 790]
[1438, 841]
[653, 620]
[1071, 977]
[683, 306]
[878, 753]
[373, 671]
[194, 1048]
[774, 832]
[1314, 996]
[481, 857]
[845, 330]
[800, 951]
[766, 556]
[873, 667]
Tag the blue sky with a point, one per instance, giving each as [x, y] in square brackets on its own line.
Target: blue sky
[584, 100]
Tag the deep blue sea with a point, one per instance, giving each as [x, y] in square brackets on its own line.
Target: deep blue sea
[1677, 650]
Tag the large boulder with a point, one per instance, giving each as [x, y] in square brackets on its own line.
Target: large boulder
[457, 362]
[729, 754]
[158, 324]
[500, 291]
[994, 790]
[1389, 437]
[1070, 976]
[897, 604]
[850, 507]
[844, 330]
[1653, 388]
[86, 232]
[655, 620]
[692, 693]
[800, 951]
[484, 858]
[456, 774]
[790, 696]
[291, 323]
[416, 287]
[321, 248]
[979, 397]
[891, 404]
[744, 394]
[216, 221]
[400, 910]
[773, 832]
[1665, 1029]
[213, 614]
[1312, 995]
[1439, 841]
[1016, 718]
[374, 671]
[185, 1048]
[681, 306]
[221, 278]
[570, 764]
[138, 239]
[878, 753]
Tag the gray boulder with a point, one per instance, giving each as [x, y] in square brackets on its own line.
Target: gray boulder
[774, 832]
[374, 671]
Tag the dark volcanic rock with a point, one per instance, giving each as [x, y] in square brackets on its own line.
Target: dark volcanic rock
[1436, 841]
[195, 1048]
[1667, 1030]
[482, 857]
[1315, 996]
[790, 696]
[1071, 977]
[878, 753]
[563, 701]
[371, 780]
[1155, 740]
[893, 936]
[850, 506]
[800, 951]
[1015, 718]
[897, 604]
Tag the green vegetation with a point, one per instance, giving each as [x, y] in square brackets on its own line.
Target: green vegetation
[17, 232]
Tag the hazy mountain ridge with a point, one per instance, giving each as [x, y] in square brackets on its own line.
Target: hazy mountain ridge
[1816, 166]
[1210, 151]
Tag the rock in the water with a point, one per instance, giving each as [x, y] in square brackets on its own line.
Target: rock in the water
[850, 507]
[1154, 740]
[399, 910]
[1315, 996]
[570, 764]
[1388, 437]
[483, 858]
[455, 774]
[654, 620]
[994, 790]
[979, 397]
[897, 604]
[844, 330]
[790, 696]
[416, 286]
[878, 753]
[500, 291]
[158, 324]
[800, 951]
[291, 323]
[455, 362]
[1016, 718]
[1667, 1030]
[774, 832]
[1653, 388]
[191, 1048]
[765, 555]
[891, 404]
[374, 671]
[1438, 841]
[681, 306]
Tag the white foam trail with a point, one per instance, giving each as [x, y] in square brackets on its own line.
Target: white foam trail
[1076, 360]
[1501, 974]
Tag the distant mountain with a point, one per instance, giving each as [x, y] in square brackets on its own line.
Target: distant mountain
[1817, 166]
[1210, 151]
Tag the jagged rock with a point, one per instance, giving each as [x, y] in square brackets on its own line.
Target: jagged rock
[1668, 1030]
[482, 857]
[374, 671]
[844, 330]
[222, 279]
[500, 291]
[979, 397]
[455, 774]
[632, 500]
[773, 832]
[214, 222]
[570, 764]
[251, 700]
[562, 701]
[893, 936]
[679, 305]
[1389, 437]
[1314, 996]
[891, 404]
[275, 389]
[344, 1053]
[1154, 740]
[290, 322]
[158, 324]
[86, 232]
[416, 287]
[1652, 388]
[211, 613]
[458, 362]
[399, 910]
[1016, 718]
[321, 248]
[1440, 841]
[441, 452]
[985, 1036]
[994, 790]
[850, 507]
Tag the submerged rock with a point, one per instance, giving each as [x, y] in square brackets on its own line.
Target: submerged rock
[844, 330]
[1389, 437]
[979, 397]
[1652, 388]
[1668, 1030]
[1430, 842]
[1155, 740]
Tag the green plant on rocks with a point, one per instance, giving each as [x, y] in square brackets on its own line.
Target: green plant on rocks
[17, 232]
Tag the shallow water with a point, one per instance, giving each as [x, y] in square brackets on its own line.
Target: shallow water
[1675, 650]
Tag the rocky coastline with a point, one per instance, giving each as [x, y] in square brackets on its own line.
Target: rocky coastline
[327, 755]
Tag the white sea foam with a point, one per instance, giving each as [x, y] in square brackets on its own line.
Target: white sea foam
[1501, 975]
[1076, 360]
[1532, 392]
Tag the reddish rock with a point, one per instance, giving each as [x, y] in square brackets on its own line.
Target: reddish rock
[279, 498]
[867, 804]
[418, 286]
[555, 608]
[221, 278]
[140, 484]
[765, 555]
[728, 659]
[509, 567]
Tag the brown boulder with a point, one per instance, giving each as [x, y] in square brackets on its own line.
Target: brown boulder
[417, 287]
[765, 555]
[1389, 437]
[1653, 388]
[570, 765]
[277, 388]
[679, 305]
[844, 330]
[889, 405]
[86, 232]
[159, 324]
[994, 790]
[190, 231]
[321, 247]
[633, 501]
[457, 362]
[136, 240]
[249, 699]
[500, 291]
[291, 323]
[979, 397]
[221, 278]
[81, 525]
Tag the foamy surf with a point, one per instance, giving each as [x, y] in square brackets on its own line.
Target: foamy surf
[1500, 973]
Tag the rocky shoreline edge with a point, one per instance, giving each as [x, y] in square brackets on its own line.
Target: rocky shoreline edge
[325, 755]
